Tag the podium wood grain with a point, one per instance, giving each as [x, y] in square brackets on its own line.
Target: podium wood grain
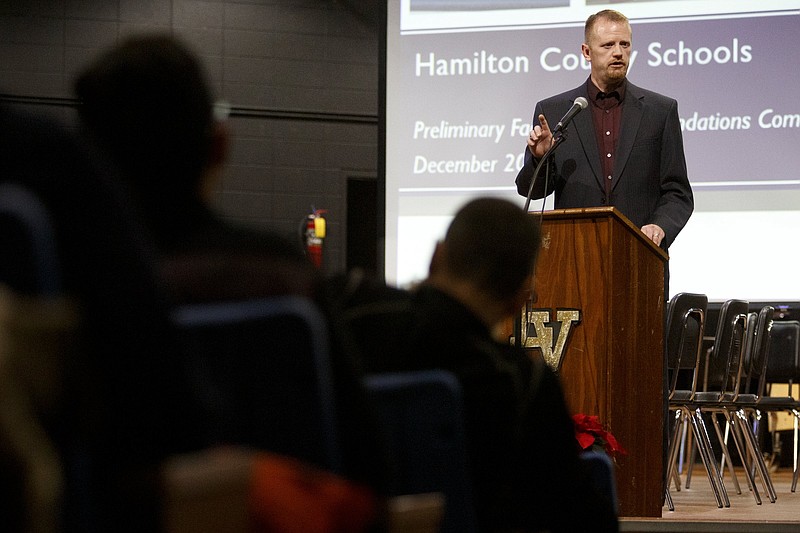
[596, 261]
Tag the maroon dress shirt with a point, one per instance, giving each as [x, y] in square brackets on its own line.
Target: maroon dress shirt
[606, 116]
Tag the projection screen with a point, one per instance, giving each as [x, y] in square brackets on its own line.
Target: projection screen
[462, 79]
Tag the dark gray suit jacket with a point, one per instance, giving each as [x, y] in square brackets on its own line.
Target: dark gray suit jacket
[650, 184]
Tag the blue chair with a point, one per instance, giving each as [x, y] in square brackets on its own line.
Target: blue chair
[261, 374]
[28, 239]
[423, 417]
[602, 475]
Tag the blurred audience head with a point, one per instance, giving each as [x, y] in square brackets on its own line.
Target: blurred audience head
[147, 103]
[492, 245]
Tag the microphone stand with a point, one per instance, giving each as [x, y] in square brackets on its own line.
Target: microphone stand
[517, 323]
[557, 140]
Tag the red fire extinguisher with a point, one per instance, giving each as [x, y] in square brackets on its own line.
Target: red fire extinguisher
[314, 235]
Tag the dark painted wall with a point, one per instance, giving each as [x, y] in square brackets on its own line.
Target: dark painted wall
[301, 77]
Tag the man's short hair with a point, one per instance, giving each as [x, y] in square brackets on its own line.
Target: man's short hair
[147, 102]
[494, 244]
[607, 14]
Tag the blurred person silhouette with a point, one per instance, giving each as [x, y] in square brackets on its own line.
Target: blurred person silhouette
[521, 439]
[147, 104]
[122, 407]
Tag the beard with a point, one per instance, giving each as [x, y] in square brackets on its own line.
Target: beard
[614, 76]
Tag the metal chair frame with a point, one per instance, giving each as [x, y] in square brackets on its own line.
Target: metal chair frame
[723, 380]
[685, 353]
[776, 370]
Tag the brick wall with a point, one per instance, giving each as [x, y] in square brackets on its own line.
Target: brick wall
[301, 77]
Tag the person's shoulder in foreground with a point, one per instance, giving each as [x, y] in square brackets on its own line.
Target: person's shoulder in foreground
[524, 457]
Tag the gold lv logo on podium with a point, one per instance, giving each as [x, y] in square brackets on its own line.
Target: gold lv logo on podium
[550, 336]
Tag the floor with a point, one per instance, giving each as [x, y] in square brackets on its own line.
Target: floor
[696, 509]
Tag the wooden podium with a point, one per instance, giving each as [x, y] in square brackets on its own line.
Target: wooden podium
[596, 266]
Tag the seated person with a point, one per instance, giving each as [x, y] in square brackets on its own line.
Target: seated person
[123, 404]
[521, 439]
[147, 104]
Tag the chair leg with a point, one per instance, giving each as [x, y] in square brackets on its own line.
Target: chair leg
[668, 498]
[726, 456]
[686, 442]
[749, 462]
[742, 448]
[761, 463]
[796, 449]
[672, 455]
[755, 450]
[692, 455]
[703, 443]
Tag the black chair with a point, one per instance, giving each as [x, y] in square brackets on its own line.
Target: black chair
[261, 375]
[753, 384]
[783, 366]
[685, 326]
[423, 416]
[722, 382]
[744, 404]
[741, 367]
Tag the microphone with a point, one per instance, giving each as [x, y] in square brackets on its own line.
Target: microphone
[580, 103]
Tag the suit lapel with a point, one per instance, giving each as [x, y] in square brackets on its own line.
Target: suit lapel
[629, 128]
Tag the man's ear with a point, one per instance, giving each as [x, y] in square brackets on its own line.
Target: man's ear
[587, 52]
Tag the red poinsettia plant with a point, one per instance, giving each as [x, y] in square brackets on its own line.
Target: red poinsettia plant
[591, 434]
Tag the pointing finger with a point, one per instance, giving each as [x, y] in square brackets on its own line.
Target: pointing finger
[545, 126]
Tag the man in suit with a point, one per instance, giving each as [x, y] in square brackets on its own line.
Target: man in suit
[625, 149]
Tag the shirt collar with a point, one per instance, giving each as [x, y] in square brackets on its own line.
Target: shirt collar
[595, 93]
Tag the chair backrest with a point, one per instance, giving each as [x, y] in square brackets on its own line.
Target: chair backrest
[757, 351]
[602, 474]
[27, 243]
[723, 370]
[784, 352]
[423, 417]
[261, 373]
[747, 351]
[685, 326]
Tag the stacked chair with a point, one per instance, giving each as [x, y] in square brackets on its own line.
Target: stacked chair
[781, 365]
[728, 384]
[725, 395]
[751, 388]
[686, 314]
